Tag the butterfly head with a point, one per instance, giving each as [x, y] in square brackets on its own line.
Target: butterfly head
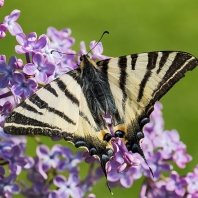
[86, 62]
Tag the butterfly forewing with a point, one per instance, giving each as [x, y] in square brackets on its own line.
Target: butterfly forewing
[50, 111]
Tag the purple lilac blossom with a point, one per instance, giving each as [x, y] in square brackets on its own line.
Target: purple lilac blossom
[7, 96]
[157, 165]
[2, 58]
[70, 161]
[192, 180]
[38, 190]
[19, 64]
[156, 190]
[23, 87]
[60, 39]
[97, 51]
[165, 141]
[1, 3]
[68, 187]
[3, 30]
[176, 183]
[53, 54]
[125, 178]
[4, 111]
[30, 43]
[181, 158]
[10, 22]
[7, 72]
[39, 67]
[91, 196]
[15, 158]
[48, 158]
[8, 187]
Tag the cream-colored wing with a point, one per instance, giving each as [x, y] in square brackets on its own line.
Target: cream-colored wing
[137, 81]
[53, 110]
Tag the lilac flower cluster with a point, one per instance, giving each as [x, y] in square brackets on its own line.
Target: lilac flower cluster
[45, 171]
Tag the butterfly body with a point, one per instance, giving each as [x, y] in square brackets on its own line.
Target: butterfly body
[96, 89]
[74, 105]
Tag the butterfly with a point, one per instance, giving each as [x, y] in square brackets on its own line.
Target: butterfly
[73, 106]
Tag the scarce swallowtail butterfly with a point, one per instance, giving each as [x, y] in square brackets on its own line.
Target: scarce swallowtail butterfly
[73, 106]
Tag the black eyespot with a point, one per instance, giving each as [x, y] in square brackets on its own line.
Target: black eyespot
[80, 143]
[110, 152]
[105, 158]
[135, 148]
[81, 58]
[93, 151]
[107, 137]
[140, 135]
[144, 121]
[119, 134]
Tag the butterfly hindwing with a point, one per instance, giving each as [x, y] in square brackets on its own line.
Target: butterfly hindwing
[137, 81]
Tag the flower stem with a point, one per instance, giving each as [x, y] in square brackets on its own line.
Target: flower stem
[5, 95]
[27, 57]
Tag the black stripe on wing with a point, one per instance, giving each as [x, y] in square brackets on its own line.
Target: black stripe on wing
[103, 65]
[62, 86]
[18, 118]
[163, 60]
[182, 63]
[35, 99]
[49, 88]
[152, 60]
[143, 85]
[133, 60]
[29, 108]
[122, 63]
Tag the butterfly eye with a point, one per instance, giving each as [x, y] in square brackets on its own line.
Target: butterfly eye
[81, 58]
[119, 134]
[107, 137]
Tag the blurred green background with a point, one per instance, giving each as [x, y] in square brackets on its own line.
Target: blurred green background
[134, 26]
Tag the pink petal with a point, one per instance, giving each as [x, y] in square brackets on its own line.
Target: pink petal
[121, 167]
[59, 181]
[38, 59]
[126, 181]
[15, 29]
[32, 37]
[21, 38]
[14, 15]
[42, 151]
[41, 77]
[42, 42]
[19, 49]
[30, 69]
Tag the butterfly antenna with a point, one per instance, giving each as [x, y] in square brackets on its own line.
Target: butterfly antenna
[142, 154]
[62, 52]
[105, 32]
[105, 173]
